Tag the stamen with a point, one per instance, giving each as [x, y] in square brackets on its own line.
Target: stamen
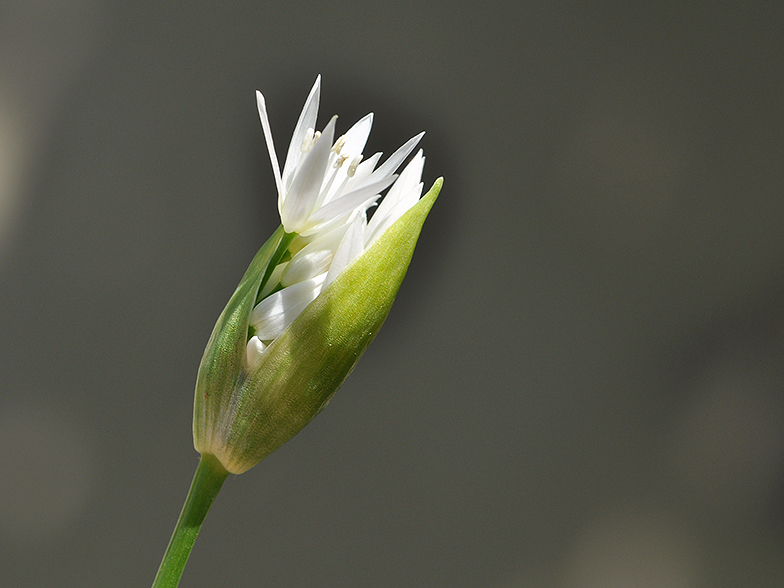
[352, 169]
[310, 140]
[339, 144]
[339, 161]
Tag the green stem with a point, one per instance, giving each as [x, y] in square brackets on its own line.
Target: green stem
[207, 481]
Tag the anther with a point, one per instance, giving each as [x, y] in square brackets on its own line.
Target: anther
[310, 140]
[339, 161]
[352, 169]
[339, 144]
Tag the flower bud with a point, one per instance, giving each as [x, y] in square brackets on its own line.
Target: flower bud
[247, 405]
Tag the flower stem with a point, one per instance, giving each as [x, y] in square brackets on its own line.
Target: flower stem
[207, 481]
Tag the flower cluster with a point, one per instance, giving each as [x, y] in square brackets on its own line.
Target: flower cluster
[324, 194]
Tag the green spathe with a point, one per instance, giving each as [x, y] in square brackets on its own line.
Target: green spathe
[223, 359]
[242, 415]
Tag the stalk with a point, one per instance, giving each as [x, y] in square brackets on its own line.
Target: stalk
[206, 484]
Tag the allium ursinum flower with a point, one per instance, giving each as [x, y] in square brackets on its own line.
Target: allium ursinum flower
[316, 293]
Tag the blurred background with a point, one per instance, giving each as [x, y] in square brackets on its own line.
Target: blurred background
[582, 381]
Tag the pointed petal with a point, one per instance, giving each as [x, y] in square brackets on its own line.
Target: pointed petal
[345, 204]
[394, 161]
[409, 178]
[310, 264]
[402, 192]
[307, 120]
[262, 105]
[351, 246]
[313, 259]
[383, 222]
[301, 198]
[278, 311]
[357, 136]
[353, 143]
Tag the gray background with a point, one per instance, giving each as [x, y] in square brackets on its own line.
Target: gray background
[581, 383]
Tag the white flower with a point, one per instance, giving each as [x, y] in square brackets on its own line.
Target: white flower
[324, 194]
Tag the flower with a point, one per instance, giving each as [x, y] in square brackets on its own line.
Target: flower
[315, 294]
[323, 182]
[324, 199]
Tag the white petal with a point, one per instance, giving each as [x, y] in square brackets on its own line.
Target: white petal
[357, 135]
[309, 264]
[313, 259]
[409, 178]
[353, 143]
[385, 221]
[394, 161]
[277, 311]
[341, 221]
[307, 120]
[401, 196]
[351, 246]
[301, 198]
[345, 204]
[262, 105]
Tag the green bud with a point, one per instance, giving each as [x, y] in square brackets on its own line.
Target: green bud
[243, 413]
